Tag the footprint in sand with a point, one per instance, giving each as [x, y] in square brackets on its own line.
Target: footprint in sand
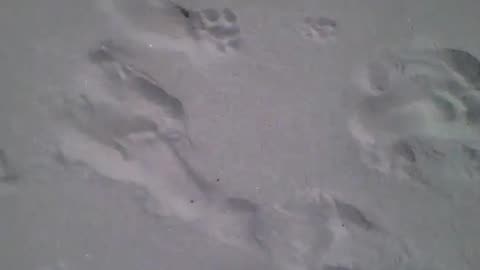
[129, 129]
[303, 233]
[319, 230]
[164, 25]
[417, 93]
[220, 28]
[297, 234]
[319, 29]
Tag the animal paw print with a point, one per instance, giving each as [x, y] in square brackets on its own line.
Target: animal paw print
[218, 27]
[319, 29]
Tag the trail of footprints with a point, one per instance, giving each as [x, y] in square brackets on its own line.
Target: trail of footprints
[132, 125]
[137, 125]
[164, 24]
[300, 233]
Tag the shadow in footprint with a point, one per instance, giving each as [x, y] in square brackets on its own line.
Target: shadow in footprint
[7, 173]
[350, 214]
[335, 267]
[465, 64]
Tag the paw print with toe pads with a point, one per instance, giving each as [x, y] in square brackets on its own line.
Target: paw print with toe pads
[319, 29]
[220, 28]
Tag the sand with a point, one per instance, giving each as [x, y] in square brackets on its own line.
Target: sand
[332, 135]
